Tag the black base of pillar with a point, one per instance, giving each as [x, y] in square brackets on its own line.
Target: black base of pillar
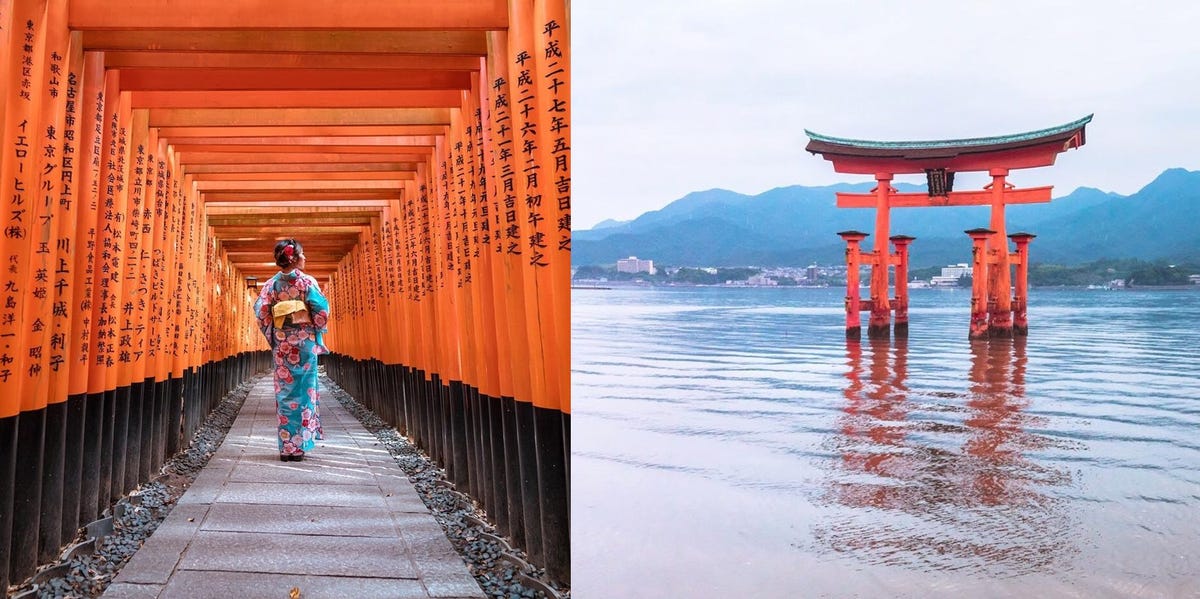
[397, 378]
[512, 475]
[146, 439]
[54, 451]
[497, 475]
[120, 444]
[530, 494]
[89, 474]
[436, 402]
[189, 406]
[73, 466]
[901, 329]
[566, 424]
[879, 331]
[27, 501]
[481, 450]
[174, 407]
[459, 429]
[552, 488]
[107, 427]
[420, 405]
[133, 438]
[158, 425]
[854, 332]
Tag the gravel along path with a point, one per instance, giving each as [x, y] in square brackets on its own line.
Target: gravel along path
[465, 524]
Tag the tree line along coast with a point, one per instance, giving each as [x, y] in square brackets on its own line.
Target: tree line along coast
[1104, 273]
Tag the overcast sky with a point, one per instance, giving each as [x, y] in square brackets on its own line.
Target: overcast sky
[675, 96]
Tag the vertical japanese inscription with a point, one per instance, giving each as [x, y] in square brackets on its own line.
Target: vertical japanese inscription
[426, 243]
[504, 200]
[120, 307]
[37, 317]
[18, 176]
[91, 133]
[527, 145]
[136, 287]
[556, 82]
[110, 257]
[66, 244]
[445, 218]
[154, 173]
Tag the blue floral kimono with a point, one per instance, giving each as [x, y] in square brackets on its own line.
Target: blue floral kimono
[296, 347]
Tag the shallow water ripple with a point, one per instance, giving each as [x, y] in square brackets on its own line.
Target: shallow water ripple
[730, 442]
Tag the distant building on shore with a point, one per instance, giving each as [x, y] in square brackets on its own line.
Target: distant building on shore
[950, 275]
[633, 265]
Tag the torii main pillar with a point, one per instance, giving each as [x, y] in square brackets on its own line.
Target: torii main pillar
[939, 161]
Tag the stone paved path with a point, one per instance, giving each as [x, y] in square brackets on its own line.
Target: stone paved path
[345, 522]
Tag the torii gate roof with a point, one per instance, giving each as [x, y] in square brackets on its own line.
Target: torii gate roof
[1020, 150]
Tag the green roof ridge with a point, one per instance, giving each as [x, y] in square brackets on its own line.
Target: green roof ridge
[944, 143]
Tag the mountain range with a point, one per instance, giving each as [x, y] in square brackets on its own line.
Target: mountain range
[797, 225]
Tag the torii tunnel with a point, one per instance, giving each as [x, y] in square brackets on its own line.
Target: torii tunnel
[155, 151]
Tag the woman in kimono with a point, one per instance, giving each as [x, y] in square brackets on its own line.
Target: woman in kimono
[293, 314]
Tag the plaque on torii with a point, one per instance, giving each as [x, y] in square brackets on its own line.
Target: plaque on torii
[995, 310]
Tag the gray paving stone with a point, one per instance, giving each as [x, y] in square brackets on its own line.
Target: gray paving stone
[261, 441]
[241, 585]
[334, 459]
[441, 568]
[159, 555]
[217, 470]
[202, 495]
[406, 503]
[425, 538]
[300, 519]
[222, 462]
[451, 583]
[286, 494]
[312, 470]
[125, 590]
[284, 554]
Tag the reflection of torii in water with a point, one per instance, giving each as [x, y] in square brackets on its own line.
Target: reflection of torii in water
[968, 495]
[993, 309]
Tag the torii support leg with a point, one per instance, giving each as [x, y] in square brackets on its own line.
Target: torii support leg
[1020, 302]
[853, 303]
[979, 285]
[880, 324]
[901, 305]
[999, 280]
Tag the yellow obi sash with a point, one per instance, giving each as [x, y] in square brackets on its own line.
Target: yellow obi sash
[296, 308]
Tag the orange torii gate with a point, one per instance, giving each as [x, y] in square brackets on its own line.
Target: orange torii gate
[994, 310]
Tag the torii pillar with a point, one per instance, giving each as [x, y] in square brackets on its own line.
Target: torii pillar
[939, 161]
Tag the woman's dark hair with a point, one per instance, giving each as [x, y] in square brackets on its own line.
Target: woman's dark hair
[288, 252]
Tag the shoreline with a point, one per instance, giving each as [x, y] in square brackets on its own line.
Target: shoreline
[631, 285]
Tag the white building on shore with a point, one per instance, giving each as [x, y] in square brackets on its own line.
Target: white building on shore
[633, 265]
[950, 275]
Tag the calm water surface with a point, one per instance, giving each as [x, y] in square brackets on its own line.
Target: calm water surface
[731, 443]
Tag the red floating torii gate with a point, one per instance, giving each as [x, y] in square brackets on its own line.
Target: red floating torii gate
[995, 312]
